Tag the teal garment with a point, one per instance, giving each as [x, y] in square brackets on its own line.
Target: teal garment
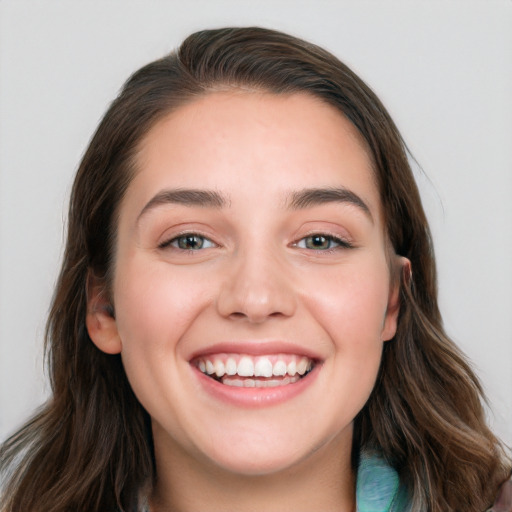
[378, 486]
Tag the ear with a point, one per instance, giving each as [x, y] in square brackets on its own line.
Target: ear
[100, 319]
[402, 273]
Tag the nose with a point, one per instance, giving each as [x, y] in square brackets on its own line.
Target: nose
[257, 287]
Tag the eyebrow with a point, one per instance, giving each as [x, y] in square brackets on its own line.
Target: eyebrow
[187, 197]
[309, 197]
[297, 200]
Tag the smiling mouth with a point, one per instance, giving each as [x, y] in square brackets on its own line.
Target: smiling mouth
[239, 370]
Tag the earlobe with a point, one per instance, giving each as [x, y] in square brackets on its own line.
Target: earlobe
[403, 276]
[100, 320]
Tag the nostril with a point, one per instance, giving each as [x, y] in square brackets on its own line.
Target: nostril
[237, 314]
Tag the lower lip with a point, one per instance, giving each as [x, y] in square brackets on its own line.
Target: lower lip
[256, 397]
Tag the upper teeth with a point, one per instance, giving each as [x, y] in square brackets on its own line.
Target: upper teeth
[251, 366]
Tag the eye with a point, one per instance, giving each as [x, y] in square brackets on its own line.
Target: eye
[320, 242]
[189, 242]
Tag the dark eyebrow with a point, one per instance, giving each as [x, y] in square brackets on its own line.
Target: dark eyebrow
[317, 196]
[187, 197]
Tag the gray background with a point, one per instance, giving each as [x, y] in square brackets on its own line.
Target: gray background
[443, 68]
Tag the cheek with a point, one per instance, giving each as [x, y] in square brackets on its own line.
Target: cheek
[351, 306]
[350, 302]
[155, 305]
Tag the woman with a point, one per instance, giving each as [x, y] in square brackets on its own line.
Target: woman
[246, 316]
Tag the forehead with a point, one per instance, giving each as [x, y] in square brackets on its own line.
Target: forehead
[254, 142]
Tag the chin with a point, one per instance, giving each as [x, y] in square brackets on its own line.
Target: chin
[252, 464]
[266, 452]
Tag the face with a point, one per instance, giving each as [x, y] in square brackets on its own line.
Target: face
[252, 284]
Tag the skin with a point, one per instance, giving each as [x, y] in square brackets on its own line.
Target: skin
[255, 281]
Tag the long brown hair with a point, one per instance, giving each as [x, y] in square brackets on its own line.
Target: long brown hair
[90, 448]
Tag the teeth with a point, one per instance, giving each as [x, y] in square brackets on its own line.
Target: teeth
[238, 383]
[263, 368]
[219, 368]
[283, 366]
[230, 366]
[254, 383]
[245, 367]
[209, 367]
[302, 366]
[279, 369]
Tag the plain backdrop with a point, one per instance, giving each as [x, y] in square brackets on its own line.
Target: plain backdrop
[443, 69]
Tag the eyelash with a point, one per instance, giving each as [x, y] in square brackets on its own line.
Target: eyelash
[330, 239]
[184, 236]
[339, 243]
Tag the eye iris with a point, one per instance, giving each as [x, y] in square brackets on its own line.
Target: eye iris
[190, 242]
[317, 242]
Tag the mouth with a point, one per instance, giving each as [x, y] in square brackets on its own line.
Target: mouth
[248, 371]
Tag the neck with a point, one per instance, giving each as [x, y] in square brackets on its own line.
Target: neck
[319, 482]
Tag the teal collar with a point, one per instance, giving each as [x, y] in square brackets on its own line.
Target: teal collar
[378, 486]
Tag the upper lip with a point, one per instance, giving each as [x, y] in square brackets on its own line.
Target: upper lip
[255, 348]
